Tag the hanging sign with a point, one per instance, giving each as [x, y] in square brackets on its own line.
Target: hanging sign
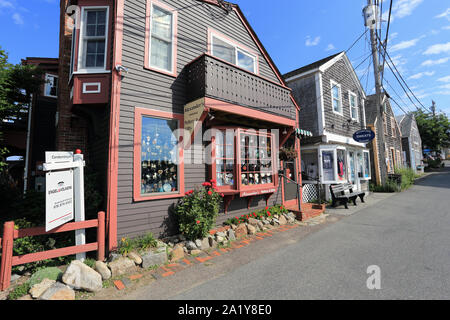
[59, 198]
[364, 136]
[192, 116]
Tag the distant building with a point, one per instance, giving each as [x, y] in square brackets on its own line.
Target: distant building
[411, 141]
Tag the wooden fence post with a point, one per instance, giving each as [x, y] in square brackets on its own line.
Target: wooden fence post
[7, 254]
[101, 236]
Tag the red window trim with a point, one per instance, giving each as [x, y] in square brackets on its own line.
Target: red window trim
[174, 12]
[138, 114]
[238, 187]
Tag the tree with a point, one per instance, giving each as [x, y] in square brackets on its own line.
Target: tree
[434, 130]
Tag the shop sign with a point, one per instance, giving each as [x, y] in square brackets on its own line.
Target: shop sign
[257, 192]
[192, 113]
[364, 136]
[59, 198]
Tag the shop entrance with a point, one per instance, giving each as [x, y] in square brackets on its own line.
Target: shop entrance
[290, 185]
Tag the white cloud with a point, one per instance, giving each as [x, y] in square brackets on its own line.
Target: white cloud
[445, 86]
[435, 62]
[6, 4]
[405, 44]
[446, 28]
[438, 48]
[421, 74]
[403, 8]
[444, 79]
[17, 18]
[311, 43]
[330, 47]
[445, 14]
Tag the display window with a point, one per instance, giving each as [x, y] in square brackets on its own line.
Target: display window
[243, 160]
[341, 165]
[158, 155]
[328, 166]
[310, 170]
[366, 159]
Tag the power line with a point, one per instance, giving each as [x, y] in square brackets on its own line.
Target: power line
[389, 84]
[386, 41]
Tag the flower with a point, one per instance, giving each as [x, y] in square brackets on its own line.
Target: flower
[209, 192]
[206, 184]
[222, 195]
[268, 213]
[198, 221]
[267, 208]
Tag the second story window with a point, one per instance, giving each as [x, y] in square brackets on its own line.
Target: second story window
[336, 100]
[161, 39]
[353, 100]
[393, 127]
[233, 53]
[51, 86]
[93, 38]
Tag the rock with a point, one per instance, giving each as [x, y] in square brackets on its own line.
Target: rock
[233, 227]
[15, 277]
[266, 222]
[220, 239]
[39, 288]
[181, 237]
[120, 266]
[253, 222]
[185, 250]
[231, 235]
[260, 225]
[241, 231]
[225, 242]
[114, 256]
[251, 229]
[291, 220]
[177, 253]
[190, 245]
[274, 222]
[25, 297]
[135, 257]
[153, 258]
[282, 220]
[205, 244]
[103, 269]
[198, 243]
[195, 252]
[221, 234]
[160, 244]
[80, 276]
[58, 291]
[276, 216]
[212, 242]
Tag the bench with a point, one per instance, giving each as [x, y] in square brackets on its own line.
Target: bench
[343, 193]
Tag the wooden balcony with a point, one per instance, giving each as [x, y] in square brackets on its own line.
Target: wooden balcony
[210, 77]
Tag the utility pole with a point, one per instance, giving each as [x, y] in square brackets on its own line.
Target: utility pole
[433, 108]
[371, 21]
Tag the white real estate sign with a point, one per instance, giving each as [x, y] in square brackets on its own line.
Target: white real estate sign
[59, 198]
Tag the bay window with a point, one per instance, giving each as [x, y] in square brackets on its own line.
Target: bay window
[243, 161]
[93, 38]
[233, 53]
[158, 155]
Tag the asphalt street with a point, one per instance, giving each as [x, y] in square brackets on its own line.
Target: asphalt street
[406, 236]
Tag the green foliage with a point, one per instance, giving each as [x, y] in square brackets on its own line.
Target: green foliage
[388, 186]
[137, 244]
[408, 177]
[434, 130]
[52, 273]
[19, 291]
[89, 262]
[259, 215]
[197, 210]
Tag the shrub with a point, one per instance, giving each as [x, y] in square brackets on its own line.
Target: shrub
[140, 243]
[260, 215]
[197, 210]
[388, 186]
[408, 177]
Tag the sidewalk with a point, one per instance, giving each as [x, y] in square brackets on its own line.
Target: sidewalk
[370, 200]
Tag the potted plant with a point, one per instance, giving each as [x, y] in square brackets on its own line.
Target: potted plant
[288, 154]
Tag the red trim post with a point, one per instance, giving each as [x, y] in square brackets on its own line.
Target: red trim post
[101, 236]
[7, 254]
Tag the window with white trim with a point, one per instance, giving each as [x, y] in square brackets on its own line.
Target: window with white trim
[161, 39]
[336, 99]
[93, 38]
[231, 53]
[353, 101]
[51, 86]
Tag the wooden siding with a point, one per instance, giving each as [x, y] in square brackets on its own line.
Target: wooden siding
[149, 89]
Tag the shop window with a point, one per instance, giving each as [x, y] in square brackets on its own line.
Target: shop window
[352, 167]
[366, 160]
[341, 165]
[336, 97]
[309, 165]
[158, 155]
[242, 160]
[328, 165]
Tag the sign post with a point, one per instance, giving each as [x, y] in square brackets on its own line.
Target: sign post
[65, 192]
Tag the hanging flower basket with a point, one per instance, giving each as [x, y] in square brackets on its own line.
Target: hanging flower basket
[288, 154]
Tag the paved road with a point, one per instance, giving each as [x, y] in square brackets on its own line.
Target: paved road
[407, 235]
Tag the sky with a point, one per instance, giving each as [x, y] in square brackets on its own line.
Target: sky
[296, 33]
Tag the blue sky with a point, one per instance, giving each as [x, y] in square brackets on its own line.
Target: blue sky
[296, 33]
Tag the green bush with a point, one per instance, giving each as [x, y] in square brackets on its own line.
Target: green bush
[197, 210]
[388, 186]
[136, 244]
[408, 177]
[259, 215]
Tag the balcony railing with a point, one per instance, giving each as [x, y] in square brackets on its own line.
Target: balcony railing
[208, 76]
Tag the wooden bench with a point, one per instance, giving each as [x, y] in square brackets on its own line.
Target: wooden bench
[343, 193]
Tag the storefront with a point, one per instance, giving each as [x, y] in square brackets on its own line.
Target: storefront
[333, 164]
